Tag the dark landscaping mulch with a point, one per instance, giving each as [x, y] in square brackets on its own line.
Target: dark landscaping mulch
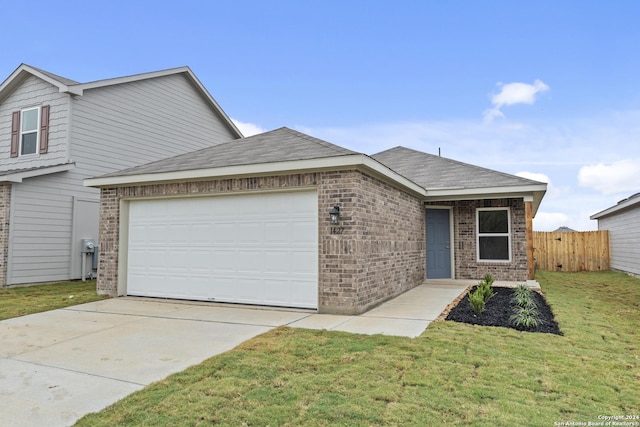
[499, 308]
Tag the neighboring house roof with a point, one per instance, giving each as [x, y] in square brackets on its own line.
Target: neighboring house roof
[73, 87]
[564, 229]
[17, 175]
[285, 150]
[623, 204]
[63, 80]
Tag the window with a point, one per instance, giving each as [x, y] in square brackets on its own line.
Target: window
[494, 234]
[30, 131]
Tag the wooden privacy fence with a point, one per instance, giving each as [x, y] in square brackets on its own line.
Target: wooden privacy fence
[572, 251]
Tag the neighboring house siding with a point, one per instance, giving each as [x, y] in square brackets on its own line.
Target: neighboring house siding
[35, 92]
[41, 230]
[117, 127]
[36, 240]
[465, 249]
[624, 239]
[107, 128]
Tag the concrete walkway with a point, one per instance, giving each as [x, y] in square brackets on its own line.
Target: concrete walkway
[59, 365]
[407, 315]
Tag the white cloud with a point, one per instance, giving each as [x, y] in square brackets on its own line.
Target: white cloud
[556, 149]
[540, 177]
[553, 192]
[248, 129]
[513, 93]
[621, 176]
[549, 221]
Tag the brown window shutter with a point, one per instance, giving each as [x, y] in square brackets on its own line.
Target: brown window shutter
[44, 129]
[15, 133]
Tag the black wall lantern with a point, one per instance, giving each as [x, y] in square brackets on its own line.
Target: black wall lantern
[334, 214]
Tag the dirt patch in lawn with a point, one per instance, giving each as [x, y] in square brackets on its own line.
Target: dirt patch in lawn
[499, 309]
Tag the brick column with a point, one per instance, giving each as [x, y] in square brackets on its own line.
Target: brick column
[528, 211]
[108, 242]
[5, 211]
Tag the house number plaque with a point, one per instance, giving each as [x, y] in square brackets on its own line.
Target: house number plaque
[337, 230]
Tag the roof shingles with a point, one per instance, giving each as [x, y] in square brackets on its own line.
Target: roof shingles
[435, 172]
[279, 145]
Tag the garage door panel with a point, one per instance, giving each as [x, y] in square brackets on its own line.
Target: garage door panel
[202, 261]
[202, 233]
[278, 261]
[303, 261]
[302, 292]
[278, 290]
[301, 233]
[249, 261]
[249, 289]
[223, 262]
[277, 232]
[236, 249]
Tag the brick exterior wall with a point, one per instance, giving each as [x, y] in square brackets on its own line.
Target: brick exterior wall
[378, 254]
[5, 211]
[465, 249]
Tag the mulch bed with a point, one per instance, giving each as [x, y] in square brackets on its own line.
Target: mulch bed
[499, 308]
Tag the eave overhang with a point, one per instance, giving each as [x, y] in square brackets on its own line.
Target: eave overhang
[622, 205]
[344, 162]
[532, 193]
[18, 176]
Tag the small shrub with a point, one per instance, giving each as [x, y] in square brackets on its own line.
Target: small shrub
[523, 297]
[485, 290]
[525, 311]
[476, 301]
[526, 317]
[488, 279]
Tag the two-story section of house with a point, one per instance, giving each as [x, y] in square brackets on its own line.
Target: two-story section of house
[55, 132]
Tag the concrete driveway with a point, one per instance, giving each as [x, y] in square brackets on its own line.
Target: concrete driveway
[59, 365]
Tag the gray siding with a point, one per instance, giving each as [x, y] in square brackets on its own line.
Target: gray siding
[110, 128]
[35, 92]
[624, 239]
[40, 231]
[121, 126]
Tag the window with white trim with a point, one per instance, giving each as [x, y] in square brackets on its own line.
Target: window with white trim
[29, 131]
[494, 234]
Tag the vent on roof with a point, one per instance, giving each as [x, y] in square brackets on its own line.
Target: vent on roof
[629, 198]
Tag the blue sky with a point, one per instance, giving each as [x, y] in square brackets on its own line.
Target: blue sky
[544, 89]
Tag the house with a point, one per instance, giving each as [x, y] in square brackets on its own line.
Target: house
[286, 219]
[55, 132]
[623, 223]
[564, 229]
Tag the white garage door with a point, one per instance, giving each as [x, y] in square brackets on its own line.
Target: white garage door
[252, 249]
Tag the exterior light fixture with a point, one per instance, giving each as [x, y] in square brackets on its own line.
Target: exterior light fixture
[334, 214]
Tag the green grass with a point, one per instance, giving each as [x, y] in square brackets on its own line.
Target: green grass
[454, 374]
[25, 300]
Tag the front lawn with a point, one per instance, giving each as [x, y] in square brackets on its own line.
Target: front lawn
[24, 300]
[454, 374]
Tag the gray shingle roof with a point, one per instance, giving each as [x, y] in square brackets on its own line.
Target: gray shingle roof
[61, 79]
[279, 145]
[435, 172]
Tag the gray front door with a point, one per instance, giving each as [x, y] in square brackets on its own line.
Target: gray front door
[438, 244]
